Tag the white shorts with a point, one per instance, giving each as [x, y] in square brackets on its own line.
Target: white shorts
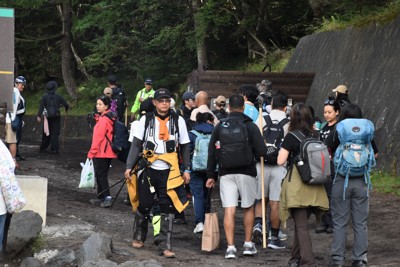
[233, 185]
[273, 176]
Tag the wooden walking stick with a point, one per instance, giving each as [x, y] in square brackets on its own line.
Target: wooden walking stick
[260, 103]
[126, 116]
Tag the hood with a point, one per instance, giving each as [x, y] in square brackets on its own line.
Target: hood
[204, 128]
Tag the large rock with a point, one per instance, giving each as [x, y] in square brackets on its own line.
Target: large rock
[31, 262]
[97, 247]
[366, 60]
[24, 228]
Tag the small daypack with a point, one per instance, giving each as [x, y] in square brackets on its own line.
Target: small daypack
[235, 149]
[200, 152]
[355, 157]
[52, 110]
[313, 160]
[273, 135]
[120, 140]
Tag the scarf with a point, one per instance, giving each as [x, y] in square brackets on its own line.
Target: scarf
[163, 134]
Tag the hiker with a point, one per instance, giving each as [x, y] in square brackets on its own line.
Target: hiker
[273, 132]
[201, 101]
[297, 198]
[220, 103]
[13, 136]
[266, 92]
[143, 94]
[101, 151]
[186, 108]
[50, 104]
[342, 95]
[331, 113]
[200, 134]
[249, 93]
[350, 197]
[118, 94]
[160, 135]
[236, 140]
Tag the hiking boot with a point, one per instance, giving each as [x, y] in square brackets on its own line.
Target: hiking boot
[359, 264]
[169, 254]
[329, 230]
[257, 234]
[230, 253]
[107, 202]
[137, 244]
[199, 228]
[320, 229]
[281, 236]
[249, 250]
[275, 244]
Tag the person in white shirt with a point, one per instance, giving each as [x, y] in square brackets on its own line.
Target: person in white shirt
[201, 101]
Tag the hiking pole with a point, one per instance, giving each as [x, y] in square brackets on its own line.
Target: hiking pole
[119, 191]
[63, 136]
[120, 181]
[126, 116]
[260, 102]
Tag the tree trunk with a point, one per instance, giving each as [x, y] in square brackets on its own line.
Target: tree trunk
[66, 53]
[202, 61]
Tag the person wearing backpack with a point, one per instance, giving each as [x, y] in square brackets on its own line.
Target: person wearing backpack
[342, 95]
[275, 127]
[233, 145]
[199, 142]
[101, 151]
[160, 136]
[50, 104]
[219, 105]
[118, 94]
[299, 199]
[350, 189]
[331, 113]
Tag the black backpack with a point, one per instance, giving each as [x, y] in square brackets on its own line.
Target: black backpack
[273, 135]
[235, 149]
[120, 97]
[120, 141]
[53, 111]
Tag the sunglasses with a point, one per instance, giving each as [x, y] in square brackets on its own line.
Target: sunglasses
[329, 101]
[163, 100]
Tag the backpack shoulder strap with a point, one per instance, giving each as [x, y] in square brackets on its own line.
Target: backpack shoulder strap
[196, 133]
[299, 135]
[283, 122]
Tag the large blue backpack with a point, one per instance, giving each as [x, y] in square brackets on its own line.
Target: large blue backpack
[355, 157]
[200, 152]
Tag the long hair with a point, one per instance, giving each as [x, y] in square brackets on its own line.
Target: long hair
[350, 111]
[301, 119]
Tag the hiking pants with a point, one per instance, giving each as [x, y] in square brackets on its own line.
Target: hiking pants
[2, 223]
[356, 205]
[327, 217]
[302, 246]
[52, 139]
[101, 167]
[199, 192]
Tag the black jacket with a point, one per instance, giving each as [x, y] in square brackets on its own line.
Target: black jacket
[58, 102]
[255, 140]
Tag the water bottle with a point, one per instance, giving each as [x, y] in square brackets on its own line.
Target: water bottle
[300, 163]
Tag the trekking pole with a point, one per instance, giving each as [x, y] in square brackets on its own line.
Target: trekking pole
[119, 191]
[120, 181]
[126, 116]
[260, 102]
[63, 136]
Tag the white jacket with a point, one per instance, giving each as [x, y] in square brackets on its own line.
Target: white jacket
[7, 167]
[16, 100]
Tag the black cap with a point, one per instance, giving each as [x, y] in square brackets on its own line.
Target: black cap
[162, 93]
[146, 106]
[112, 79]
[148, 81]
[51, 86]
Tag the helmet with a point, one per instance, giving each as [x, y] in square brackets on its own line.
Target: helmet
[20, 79]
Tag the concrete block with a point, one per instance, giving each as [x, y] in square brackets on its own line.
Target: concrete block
[34, 189]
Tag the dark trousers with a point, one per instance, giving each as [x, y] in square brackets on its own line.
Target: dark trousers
[5, 234]
[101, 168]
[52, 139]
[19, 135]
[302, 246]
[327, 217]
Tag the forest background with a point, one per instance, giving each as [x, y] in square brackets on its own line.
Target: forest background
[79, 43]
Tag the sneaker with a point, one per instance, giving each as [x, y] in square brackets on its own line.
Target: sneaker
[360, 263]
[334, 264]
[257, 234]
[281, 236]
[275, 244]
[320, 229]
[107, 202]
[249, 250]
[199, 228]
[230, 253]
[294, 263]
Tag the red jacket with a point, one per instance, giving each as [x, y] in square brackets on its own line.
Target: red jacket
[101, 147]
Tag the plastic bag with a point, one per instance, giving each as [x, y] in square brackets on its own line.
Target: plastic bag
[87, 175]
[12, 193]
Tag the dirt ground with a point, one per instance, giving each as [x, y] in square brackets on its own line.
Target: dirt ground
[71, 219]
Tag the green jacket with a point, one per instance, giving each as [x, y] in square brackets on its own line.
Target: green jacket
[296, 194]
[141, 94]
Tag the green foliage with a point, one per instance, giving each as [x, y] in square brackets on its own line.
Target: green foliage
[37, 244]
[385, 182]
